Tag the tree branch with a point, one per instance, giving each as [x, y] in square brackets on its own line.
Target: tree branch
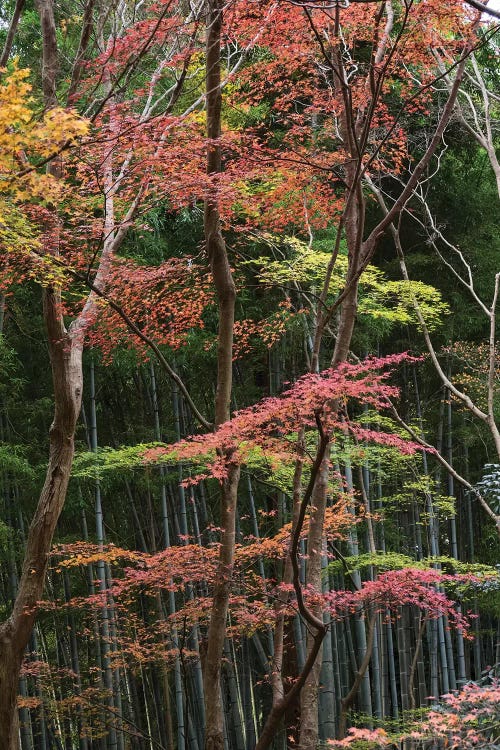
[140, 334]
[9, 40]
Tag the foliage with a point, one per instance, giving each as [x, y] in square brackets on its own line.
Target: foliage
[385, 561]
[380, 298]
[13, 461]
[464, 720]
[270, 423]
[490, 485]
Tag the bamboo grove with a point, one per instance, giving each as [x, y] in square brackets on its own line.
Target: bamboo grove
[249, 436]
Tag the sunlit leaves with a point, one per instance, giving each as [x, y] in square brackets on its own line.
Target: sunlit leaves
[25, 138]
[380, 298]
[27, 142]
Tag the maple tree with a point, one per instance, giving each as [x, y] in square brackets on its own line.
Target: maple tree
[353, 106]
[66, 342]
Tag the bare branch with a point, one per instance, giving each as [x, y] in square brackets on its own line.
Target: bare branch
[463, 397]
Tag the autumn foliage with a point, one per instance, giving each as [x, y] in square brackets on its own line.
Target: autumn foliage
[270, 425]
[466, 719]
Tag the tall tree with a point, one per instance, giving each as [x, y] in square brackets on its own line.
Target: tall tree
[226, 297]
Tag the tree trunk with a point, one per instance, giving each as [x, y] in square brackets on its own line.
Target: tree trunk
[226, 297]
[214, 732]
[66, 359]
[309, 730]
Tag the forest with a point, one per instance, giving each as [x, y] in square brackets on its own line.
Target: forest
[249, 374]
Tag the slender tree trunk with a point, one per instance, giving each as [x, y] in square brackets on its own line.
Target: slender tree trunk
[235, 707]
[309, 728]
[454, 542]
[105, 640]
[403, 646]
[359, 625]
[179, 693]
[414, 663]
[75, 664]
[66, 360]
[226, 297]
[278, 661]
[214, 738]
[18, 9]
[329, 672]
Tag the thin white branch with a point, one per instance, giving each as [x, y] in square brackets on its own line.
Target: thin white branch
[460, 395]
[492, 359]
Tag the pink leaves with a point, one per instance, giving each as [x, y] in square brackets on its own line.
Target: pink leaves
[376, 738]
[269, 426]
[465, 720]
[397, 588]
[165, 301]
